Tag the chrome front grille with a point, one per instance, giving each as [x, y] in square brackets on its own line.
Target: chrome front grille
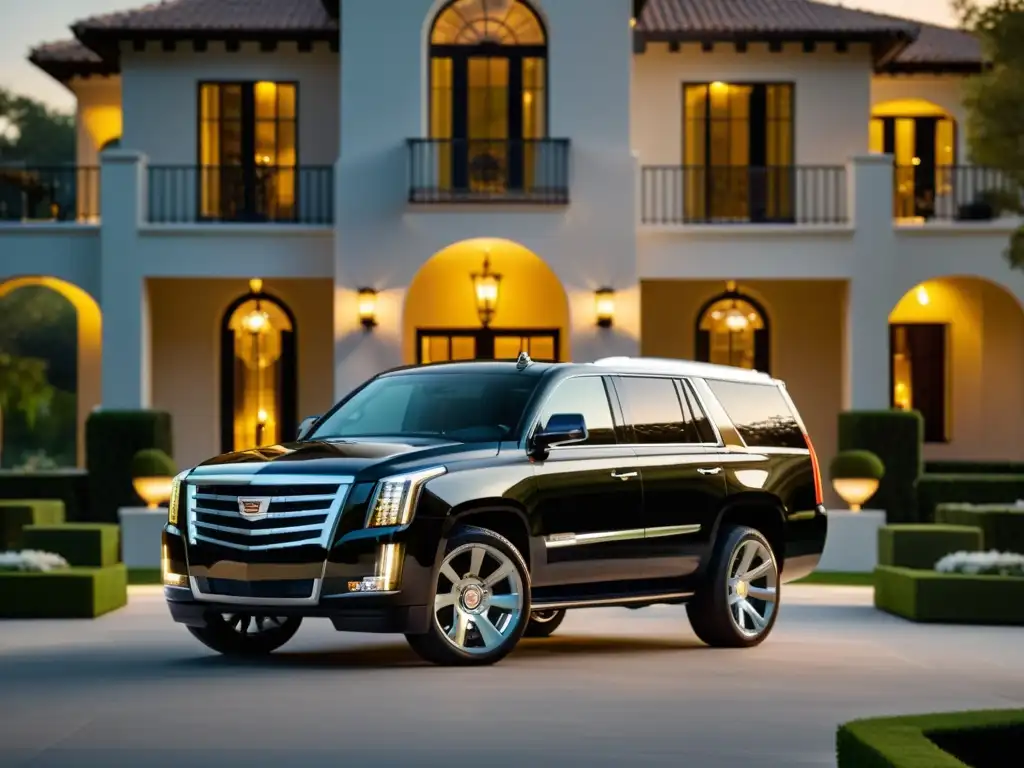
[253, 512]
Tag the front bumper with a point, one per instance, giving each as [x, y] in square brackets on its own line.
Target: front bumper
[205, 580]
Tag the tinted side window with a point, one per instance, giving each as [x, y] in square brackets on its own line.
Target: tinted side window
[653, 409]
[705, 432]
[585, 395]
[760, 414]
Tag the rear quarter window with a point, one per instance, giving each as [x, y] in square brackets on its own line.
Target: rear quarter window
[760, 413]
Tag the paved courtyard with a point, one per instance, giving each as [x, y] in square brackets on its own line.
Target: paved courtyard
[612, 687]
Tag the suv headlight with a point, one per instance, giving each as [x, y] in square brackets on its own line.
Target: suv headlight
[394, 498]
[175, 500]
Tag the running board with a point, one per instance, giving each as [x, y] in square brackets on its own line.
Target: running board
[612, 602]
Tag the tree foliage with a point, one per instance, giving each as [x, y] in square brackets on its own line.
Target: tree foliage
[33, 133]
[995, 99]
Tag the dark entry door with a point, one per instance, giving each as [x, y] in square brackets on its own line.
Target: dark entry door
[437, 345]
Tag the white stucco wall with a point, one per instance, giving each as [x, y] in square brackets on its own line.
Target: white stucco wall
[69, 252]
[160, 93]
[98, 115]
[832, 96]
[383, 242]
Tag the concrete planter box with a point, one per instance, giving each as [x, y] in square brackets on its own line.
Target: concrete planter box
[949, 598]
[140, 536]
[852, 542]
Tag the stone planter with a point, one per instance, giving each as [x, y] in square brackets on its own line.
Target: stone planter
[140, 536]
[852, 542]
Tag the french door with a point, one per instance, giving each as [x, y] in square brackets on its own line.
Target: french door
[439, 345]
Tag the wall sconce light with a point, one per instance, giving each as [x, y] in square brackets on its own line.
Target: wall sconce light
[486, 287]
[922, 296]
[367, 307]
[604, 306]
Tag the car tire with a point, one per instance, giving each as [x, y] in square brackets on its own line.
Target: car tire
[543, 623]
[480, 604]
[738, 603]
[246, 634]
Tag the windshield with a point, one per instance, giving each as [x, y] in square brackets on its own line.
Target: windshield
[467, 407]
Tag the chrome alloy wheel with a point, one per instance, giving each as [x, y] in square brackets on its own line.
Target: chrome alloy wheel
[479, 599]
[752, 587]
[248, 625]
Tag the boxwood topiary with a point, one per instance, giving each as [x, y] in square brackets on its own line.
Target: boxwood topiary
[152, 462]
[858, 464]
[896, 437]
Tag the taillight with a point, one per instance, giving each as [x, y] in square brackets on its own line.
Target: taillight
[819, 496]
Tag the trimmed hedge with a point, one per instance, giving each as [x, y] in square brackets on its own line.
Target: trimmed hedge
[15, 515]
[933, 490]
[987, 737]
[949, 598]
[112, 438]
[974, 467]
[69, 485]
[922, 546]
[856, 465]
[84, 545]
[1002, 527]
[74, 593]
[896, 437]
[152, 462]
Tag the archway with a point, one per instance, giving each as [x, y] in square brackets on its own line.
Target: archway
[922, 138]
[259, 364]
[485, 298]
[732, 329]
[956, 350]
[488, 94]
[52, 369]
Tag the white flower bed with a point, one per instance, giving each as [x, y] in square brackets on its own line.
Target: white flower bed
[988, 563]
[31, 560]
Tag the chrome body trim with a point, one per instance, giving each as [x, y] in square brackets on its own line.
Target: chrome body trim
[558, 540]
[672, 530]
[610, 601]
[206, 597]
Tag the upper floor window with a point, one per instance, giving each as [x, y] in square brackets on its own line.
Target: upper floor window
[248, 150]
[738, 148]
[488, 94]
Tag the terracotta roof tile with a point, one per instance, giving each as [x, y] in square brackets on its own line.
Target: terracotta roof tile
[70, 51]
[942, 45]
[215, 16]
[751, 17]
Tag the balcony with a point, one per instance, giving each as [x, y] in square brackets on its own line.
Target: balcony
[963, 193]
[534, 171]
[50, 194]
[698, 195]
[239, 194]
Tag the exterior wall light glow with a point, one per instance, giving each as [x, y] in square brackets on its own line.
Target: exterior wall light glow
[487, 289]
[367, 307]
[604, 307]
[922, 296]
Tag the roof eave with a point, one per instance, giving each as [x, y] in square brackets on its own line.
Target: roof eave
[64, 71]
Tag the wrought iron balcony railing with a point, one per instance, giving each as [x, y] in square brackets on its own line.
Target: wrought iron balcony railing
[49, 193]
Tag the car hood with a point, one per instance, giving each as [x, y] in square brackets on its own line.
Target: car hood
[339, 457]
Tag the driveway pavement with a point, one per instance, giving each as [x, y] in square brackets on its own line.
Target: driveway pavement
[612, 687]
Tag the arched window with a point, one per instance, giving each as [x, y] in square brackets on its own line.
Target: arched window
[258, 372]
[732, 329]
[488, 93]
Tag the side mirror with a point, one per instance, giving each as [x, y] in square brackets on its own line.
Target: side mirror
[306, 426]
[561, 428]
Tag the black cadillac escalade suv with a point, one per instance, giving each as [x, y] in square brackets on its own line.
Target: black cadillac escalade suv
[468, 504]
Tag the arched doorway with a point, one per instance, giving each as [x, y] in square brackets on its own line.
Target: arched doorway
[922, 138]
[485, 299]
[956, 352]
[258, 371]
[488, 93]
[50, 371]
[732, 329]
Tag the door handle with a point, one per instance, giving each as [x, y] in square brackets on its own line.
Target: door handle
[709, 471]
[624, 475]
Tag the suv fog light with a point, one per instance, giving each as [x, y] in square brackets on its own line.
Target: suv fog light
[370, 584]
[388, 571]
[168, 576]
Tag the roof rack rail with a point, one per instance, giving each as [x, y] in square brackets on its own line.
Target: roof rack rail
[685, 368]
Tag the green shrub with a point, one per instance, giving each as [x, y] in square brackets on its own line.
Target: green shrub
[974, 467]
[922, 546]
[15, 514]
[1002, 527]
[84, 545]
[73, 593]
[112, 438]
[913, 741]
[933, 490]
[896, 437]
[857, 465]
[152, 462]
[949, 598]
[69, 485]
